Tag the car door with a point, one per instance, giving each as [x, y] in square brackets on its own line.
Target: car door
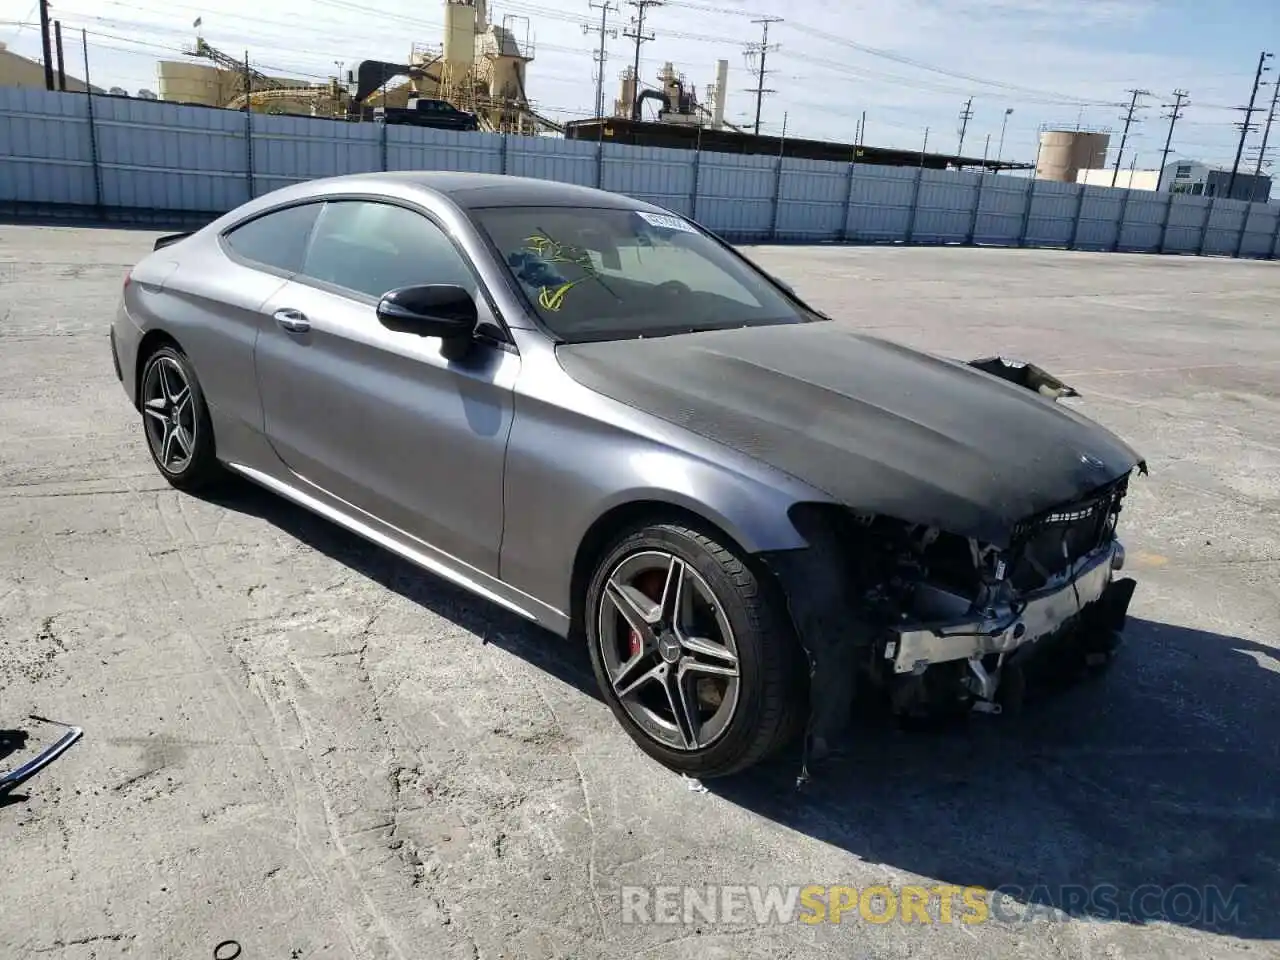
[214, 306]
[393, 423]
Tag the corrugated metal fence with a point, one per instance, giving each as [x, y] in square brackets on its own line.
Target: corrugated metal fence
[150, 161]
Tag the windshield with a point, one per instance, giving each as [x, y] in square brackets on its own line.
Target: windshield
[611, 274]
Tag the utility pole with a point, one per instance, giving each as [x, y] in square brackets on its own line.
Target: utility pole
[44, 44]
[1248, 116]
[1266, 137]
[1128, 119]
[1173, 116]
[62, 64]
[637, 34]
[761, 49]
[966, 114]
[601, 56]
[248, 86]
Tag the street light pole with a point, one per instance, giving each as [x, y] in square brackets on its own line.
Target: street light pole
[1003, 124]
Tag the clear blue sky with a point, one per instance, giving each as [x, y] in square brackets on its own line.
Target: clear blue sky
[910, 64]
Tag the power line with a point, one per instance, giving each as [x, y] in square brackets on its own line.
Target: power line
[728, 11]
[279, 44]
[286, 49]
[761, 50]
[1248, 116]
[1128, 119]
[966, 114]
[601, 55]
[954, 74]
[19, 24]
[1173, 116]
[637, 34]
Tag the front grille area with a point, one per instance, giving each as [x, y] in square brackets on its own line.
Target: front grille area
[1046, 545]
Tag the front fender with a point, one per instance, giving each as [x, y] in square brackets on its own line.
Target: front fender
[569, 471]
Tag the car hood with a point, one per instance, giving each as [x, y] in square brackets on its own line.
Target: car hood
[875, 425]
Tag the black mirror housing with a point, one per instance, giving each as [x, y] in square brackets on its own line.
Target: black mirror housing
[430, 310]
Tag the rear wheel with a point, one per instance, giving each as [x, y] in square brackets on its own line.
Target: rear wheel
[176, 421]
[690, 651]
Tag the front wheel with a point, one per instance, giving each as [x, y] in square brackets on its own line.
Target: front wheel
[691, 652]
[176, 421]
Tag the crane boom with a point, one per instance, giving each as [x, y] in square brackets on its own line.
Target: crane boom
[260, 80]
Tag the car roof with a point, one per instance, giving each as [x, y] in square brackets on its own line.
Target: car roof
[472, 191]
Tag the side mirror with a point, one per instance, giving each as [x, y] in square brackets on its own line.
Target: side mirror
[432, 310]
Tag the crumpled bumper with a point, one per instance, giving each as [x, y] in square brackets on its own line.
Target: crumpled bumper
[915, 647]
[976, 656]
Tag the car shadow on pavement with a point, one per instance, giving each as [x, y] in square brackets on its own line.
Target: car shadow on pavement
[1146, 795]
[566, 662]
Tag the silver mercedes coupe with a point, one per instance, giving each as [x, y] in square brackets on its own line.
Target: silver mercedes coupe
[595, 413]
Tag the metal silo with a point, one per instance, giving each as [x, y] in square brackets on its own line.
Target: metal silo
[459, 36]
[1063, 153]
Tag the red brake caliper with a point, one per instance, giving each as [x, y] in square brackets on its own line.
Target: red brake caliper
[650, 584]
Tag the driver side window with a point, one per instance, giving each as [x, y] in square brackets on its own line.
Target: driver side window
[372, 248]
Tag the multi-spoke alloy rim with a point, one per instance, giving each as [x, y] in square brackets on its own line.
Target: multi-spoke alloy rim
[668, 650]
[169, 414]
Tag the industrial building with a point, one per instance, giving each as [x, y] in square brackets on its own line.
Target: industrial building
[18, 71]
[1256, 189]
[684, 122]
[480, 68]
[1183, 176]
[1129, 179]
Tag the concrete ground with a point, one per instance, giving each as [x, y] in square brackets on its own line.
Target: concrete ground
[296, 742]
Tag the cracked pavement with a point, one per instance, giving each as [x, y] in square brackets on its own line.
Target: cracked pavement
[298, 742]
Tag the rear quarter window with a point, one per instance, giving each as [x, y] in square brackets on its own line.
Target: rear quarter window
[277, 240]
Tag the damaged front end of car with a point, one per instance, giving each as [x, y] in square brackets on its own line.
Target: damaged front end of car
[932, 623]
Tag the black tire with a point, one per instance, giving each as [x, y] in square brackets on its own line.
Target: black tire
[200, 469]
[1098, 651]
[769, 691]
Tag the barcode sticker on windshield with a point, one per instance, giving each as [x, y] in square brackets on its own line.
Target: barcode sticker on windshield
[665, 222]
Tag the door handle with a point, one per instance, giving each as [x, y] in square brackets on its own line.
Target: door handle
[295, 321]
